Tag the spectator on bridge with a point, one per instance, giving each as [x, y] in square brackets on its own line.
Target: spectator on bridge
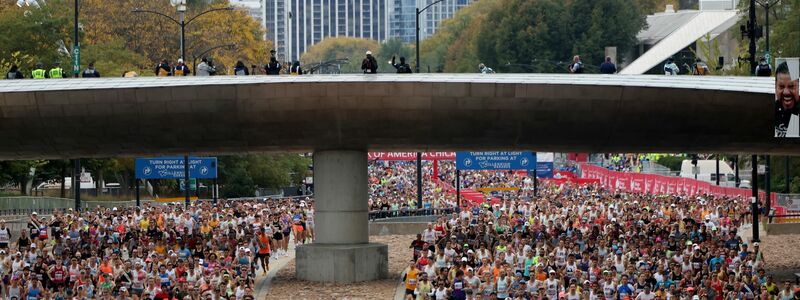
[608, 67]
[240, 69]
[14, 73]
[181, 69]
[90, 72]
[764, 69]
[295, 69]
[56, 71]
[273, 67]
[700, 68]
[577, 65]
[402, 67]
[369, 65]
[483, 69]
[670, 68]
[163, 69]
[787, 97]
[39, 72]
[205, 68]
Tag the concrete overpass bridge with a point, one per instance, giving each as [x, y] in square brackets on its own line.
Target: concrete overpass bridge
[341, 117]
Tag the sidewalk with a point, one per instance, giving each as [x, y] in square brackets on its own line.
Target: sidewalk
[262, 282]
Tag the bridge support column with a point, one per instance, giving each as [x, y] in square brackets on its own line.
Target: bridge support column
[341, 252]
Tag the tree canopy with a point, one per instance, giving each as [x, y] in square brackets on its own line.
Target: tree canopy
[532, 35]
[343, 47]
[117, 40]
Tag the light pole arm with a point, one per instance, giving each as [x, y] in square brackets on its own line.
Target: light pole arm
[212, 48]
[208, 11]
[157, 13]
[429, 5]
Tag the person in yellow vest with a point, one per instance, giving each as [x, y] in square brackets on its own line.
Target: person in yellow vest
[411, 278]
[181, 69]
[39, 72]
[57, 71]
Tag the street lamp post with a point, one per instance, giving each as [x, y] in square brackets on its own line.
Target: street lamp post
[182, 22]
[419, 11]
[76, 46]
[766, 4]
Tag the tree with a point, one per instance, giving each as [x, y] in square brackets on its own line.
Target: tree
[785, 26]
[234, 179]
[396, 47]
[343, 47]
[35, 33]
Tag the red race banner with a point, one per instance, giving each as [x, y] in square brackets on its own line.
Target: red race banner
[657, 184]
[406, 156]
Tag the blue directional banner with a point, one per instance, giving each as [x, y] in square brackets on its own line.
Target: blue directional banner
[172, 167]
[496, 160]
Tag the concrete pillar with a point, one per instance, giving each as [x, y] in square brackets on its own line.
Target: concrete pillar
[341, 211]
[341, 252]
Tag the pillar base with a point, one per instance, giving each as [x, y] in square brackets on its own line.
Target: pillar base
[342, 263]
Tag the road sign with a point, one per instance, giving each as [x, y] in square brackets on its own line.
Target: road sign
[76, 59]
[192, 185]
[172, 167]
[496, 160]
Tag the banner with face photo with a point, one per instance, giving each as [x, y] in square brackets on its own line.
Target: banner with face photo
[787, 98]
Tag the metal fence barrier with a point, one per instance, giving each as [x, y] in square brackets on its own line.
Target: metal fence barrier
[386, 214]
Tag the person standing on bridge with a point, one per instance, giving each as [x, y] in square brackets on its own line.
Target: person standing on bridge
[273, 67]
[39, 72]
[402, 67]
[205, 68]
[369, 65]
[163, 69]
[240, 69]
[608, 67]
[181, 69]
[763, 69]
[700, 68]
[577, 65]
[57, 71]
[14, 73]
[90, 72]
[670, 68]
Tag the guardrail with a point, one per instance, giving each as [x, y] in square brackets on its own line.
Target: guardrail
[388, 214]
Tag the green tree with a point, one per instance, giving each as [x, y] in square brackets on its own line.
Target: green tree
[234, 179]
[343, 47]
[785, 27]
[37, 33]
[396, 47]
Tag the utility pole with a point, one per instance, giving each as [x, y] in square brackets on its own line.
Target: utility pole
[751, 34]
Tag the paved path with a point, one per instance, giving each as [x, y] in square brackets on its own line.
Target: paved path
[262, 282]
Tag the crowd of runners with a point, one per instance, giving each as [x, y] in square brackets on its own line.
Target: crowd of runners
[583, 242]
[204, 251]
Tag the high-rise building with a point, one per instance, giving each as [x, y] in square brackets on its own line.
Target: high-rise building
[255, 8]
[296, 25]
[404, 14]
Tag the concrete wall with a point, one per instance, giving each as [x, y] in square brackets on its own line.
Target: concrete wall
[394, 228]
[784, 228]
[63, 118]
